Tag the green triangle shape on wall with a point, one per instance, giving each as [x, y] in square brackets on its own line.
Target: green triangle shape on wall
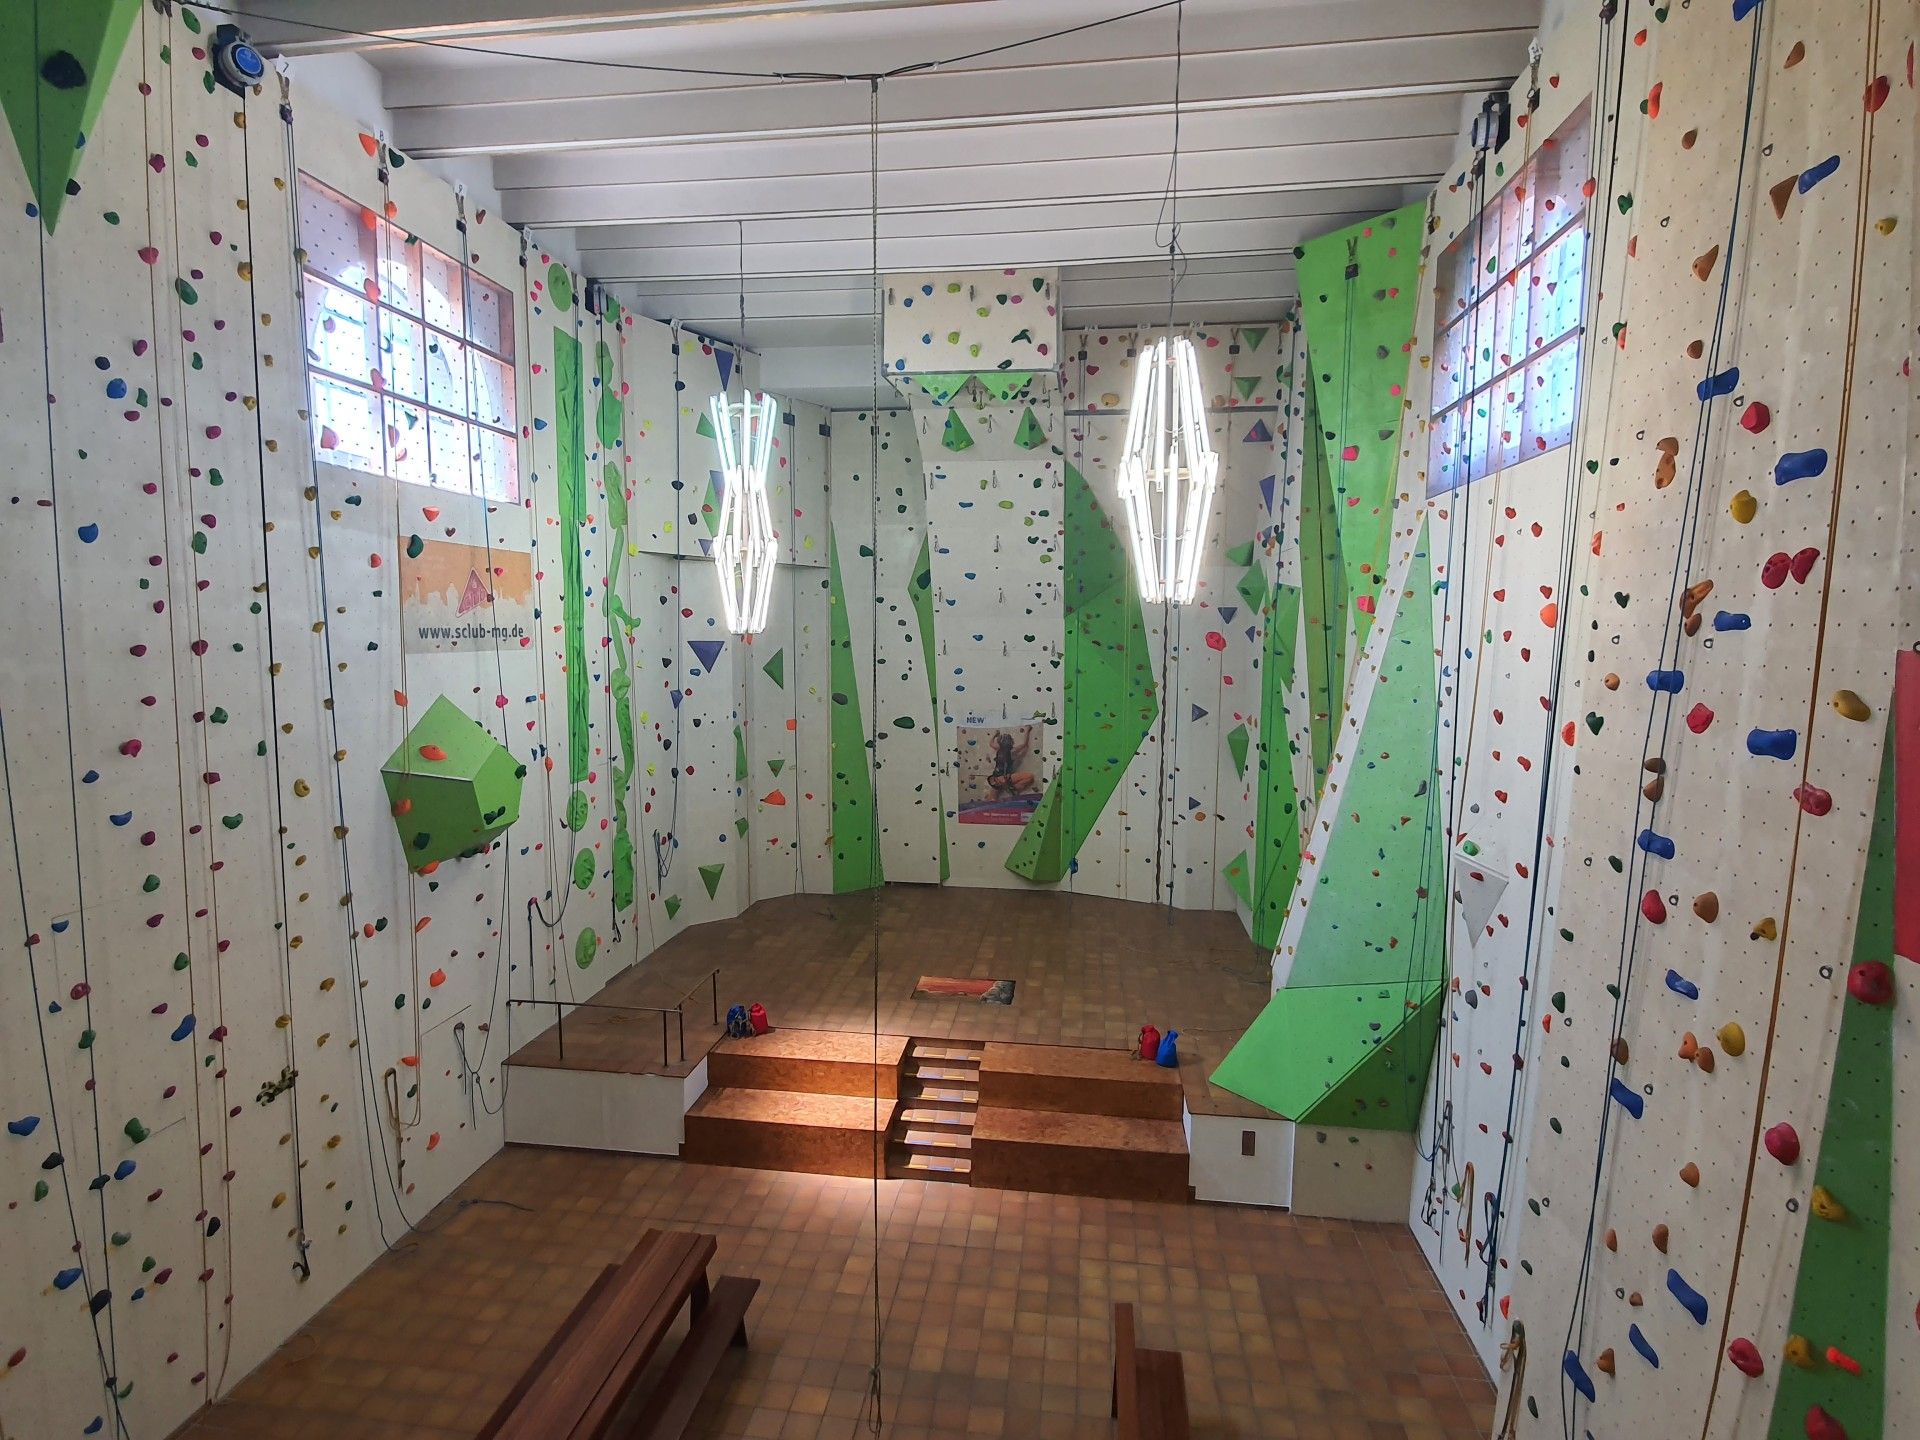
[1238, 742]
[1353, 1056]
[776, 766]
[1253, 339]
[1253, 588]
[53, 83]
[776, 669]
[1244, 384]
[942, 386]
[704, 427]
[1238, 878]
[673, 903]
[710, 877]
[1241, 554]
[1004, 384]
[1031, 434]
[956, 437]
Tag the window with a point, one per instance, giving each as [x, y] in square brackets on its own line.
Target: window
[1507, 330]
[410, 354]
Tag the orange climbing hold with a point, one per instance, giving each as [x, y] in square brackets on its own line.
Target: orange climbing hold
[432, 752]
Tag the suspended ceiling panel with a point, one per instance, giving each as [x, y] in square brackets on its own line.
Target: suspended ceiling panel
[1298, 117]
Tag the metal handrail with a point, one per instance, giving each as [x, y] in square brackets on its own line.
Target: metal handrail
[677, 1010]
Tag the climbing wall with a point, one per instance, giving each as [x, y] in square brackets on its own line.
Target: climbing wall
[942, 327]
[1744, 587]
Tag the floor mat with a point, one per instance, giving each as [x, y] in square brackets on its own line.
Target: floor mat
[991, 992]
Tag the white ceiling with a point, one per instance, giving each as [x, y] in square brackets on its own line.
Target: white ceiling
[1298, 116]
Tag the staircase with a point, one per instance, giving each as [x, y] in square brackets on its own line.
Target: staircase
[931, 1137]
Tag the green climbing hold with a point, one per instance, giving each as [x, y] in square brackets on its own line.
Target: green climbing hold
[956, 437]
[710, 877]
[451, 786]
[559, 286]
[1031, 434]
[586, 945]
[776, 669]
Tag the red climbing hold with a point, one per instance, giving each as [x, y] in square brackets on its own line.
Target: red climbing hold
[1802, 563]
[1783, 1143]
[1773, 574]
[1871, 983]
[432, 752]
[1745, 1356]
[1822, 1426]
[1756, 418]
[1698, 718]
[1813, 799]
[1351, 452]
[1653, 907]
[1216, 641]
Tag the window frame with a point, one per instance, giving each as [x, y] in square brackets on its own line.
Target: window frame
[386, 317]
[1479, 308]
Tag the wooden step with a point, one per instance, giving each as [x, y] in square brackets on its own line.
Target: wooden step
[923, 1141]
[1113, 1157]
[921, 1093]
[933, 1167]
[946, 1074]
[951, 1050]
[800, 1131]
[924, 1115]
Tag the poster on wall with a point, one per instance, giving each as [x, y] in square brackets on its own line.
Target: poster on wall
[1002, 770]
[464, 597]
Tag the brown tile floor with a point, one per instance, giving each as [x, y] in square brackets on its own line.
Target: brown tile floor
[997, 1311]
[1090, 972]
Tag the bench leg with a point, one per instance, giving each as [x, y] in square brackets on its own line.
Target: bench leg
[740, 1335]
[701, 1292]
[1114, 1412]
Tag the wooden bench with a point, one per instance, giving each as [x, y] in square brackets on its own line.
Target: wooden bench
[1149, 1386]
[580, 1384]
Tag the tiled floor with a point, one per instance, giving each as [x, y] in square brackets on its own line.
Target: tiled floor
[996, 1310]
[1089, 972]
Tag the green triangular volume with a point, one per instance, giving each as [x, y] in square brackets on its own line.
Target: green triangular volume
[710, 877]
[52, 85]
[776, 669]
[956, 436]
[1031, 434]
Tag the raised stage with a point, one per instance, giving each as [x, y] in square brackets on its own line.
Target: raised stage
[1046, 1093]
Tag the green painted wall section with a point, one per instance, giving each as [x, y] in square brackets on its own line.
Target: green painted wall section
[80, 42]
[1359, 346]
[1277, 807]
[1110, 698]
[610, 426]
[856, 841]
[921, 593]
[1323, 583]
[1350, 1038]
[569, 442]
[1840, 1293]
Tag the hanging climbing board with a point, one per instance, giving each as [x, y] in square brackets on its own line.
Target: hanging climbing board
[999, 328]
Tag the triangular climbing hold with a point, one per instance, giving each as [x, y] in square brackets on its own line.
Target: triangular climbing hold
[1031, 434]
[1266, 492]
[776, 668]
[1239, 879]
[710, 877]
[673, 903]
[1197, 713]
[1227, 612]
[1245, 385]
[776, 766]
[1253, 587]
[1241, 554]
[706, 651]
[955, 436]
[53, 83]
[1238, 741]
[724, 359]
[703, 427]
[1259, 434]
[1253, 339]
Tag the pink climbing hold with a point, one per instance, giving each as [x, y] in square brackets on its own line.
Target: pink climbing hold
[1216, 641]
[1654, 908]
[1699, 718]
[1756, 418]
[1871, 983]
[1745, 1356]
[1813, 799]
[1783, 1143]
[130, 748]
[1351, 452]
[1822, 1426]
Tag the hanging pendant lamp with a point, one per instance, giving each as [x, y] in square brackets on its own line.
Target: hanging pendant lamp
[744, 545]
[1168, 466]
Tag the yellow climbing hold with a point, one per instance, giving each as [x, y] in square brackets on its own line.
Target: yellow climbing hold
[1744, 507]
[1733, 1039]
[1766, 930]
[1886, 223]
[1851, 705]
[1798, 1352]
[1825, 1206]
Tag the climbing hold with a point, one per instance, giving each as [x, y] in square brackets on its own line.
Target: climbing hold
[1745, 1356]
[1577, 1373]
[1733, 1039]
[1822, 1203]
[1660, 846]
[1851, 706]
[1655, 788]
[1613, 1239]
[1667, 681]
[1629, 1099]
[1755, 418]
[1821, 1425]
[1799, 465]
[1840, 1360]
[1706, 905]
[1691, 1300]
[1690, 1175]
[1726, 620]
[1698, 719]
[1603, 1362]
[1783, 1143]
[1773, 744]
[1689, 1046]
[1871, 983]
[1724, 383]
[1813, 799]
[1802, 563]
[1797, 1352]
[1743, 507]
[1654, 908]
[1620, 1051]
[1660, 1238]
[1644, 1346]
[1703, 1059]
[1773, 571]
[1765, 930]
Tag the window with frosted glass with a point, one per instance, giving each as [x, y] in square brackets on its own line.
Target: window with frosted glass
[409, 353]
[1507, 330]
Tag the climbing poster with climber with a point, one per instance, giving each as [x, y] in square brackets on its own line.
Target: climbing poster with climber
[464, 597]
[1002, 770]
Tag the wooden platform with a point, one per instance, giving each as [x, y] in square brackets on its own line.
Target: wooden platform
[818, 1062]
[1078, 1081]
[1110, 1156]
[813, 1134]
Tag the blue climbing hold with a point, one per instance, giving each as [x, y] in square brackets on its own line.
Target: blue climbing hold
[184, 1028]
[1644, 1346]
[1799, 465]
[1692, 1299]
[1773, 744]
[1577, 1373]
[1680, 985]
[1724, 620]
[1631, 1100]
[89, 533]
[1813, 175]
[25, 1125]
[1725, 383]
[64, 1280]
[1654, 844]
[1669, 681]
[1744, 8]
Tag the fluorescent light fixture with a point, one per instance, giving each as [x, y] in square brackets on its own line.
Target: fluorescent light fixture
[1168, 471]
[743, 544]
